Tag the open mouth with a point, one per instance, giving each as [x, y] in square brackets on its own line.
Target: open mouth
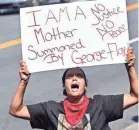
[74, 87]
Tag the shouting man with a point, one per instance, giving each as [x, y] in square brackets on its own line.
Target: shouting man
[76, 111]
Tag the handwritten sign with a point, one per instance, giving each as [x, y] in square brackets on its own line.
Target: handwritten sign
[74, 34]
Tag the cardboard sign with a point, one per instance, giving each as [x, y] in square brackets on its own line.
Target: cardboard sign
[74, 34]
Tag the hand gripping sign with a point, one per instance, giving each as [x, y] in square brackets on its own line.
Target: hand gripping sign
[74, 34]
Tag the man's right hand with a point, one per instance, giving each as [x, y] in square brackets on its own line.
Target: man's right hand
[17, 108]
[23, 71]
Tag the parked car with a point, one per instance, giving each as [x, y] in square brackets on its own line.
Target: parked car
[12, 6]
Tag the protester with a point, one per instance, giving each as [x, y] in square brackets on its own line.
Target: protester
[76, 111]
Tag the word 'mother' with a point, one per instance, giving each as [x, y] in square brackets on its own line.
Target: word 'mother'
[55, 34]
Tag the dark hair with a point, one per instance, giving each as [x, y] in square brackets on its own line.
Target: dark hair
[74, 71]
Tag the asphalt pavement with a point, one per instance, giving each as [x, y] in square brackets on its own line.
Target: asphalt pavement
[44, 86]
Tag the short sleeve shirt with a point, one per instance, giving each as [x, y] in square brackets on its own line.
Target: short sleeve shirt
[101, 110]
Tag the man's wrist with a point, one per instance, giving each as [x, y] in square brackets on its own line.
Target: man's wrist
[24, 81]
[130, 69]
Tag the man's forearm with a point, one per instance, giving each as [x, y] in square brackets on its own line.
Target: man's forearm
[17, 101]
[133, 81]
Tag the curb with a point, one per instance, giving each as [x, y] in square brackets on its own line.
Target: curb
[132, 127]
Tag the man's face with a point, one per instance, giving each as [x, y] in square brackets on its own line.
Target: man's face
[75, 85]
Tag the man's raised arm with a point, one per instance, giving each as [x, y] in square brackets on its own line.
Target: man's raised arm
[17, 108]
[131, 98]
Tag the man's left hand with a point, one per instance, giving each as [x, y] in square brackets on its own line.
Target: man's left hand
[130, 57]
